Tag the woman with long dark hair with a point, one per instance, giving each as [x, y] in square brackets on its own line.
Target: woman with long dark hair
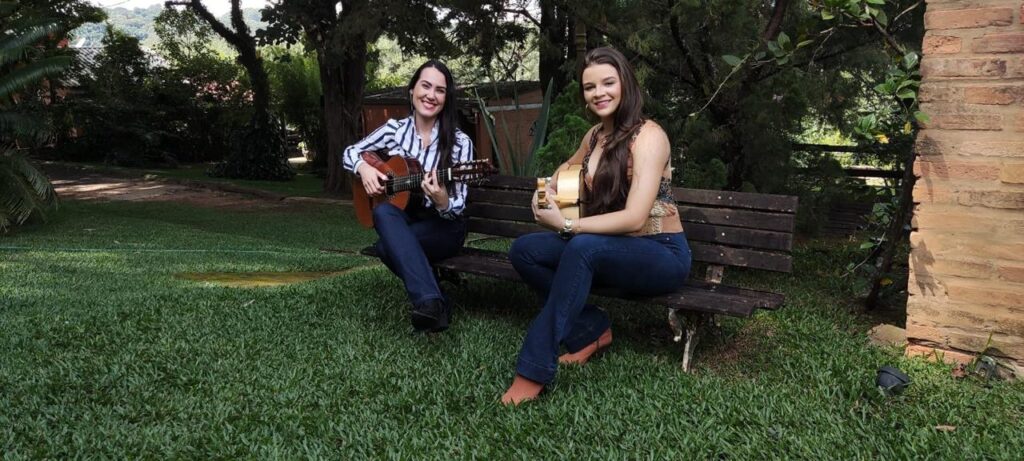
[630, 236]
[431, 229]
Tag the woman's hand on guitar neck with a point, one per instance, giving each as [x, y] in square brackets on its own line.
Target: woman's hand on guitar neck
[435, 190]
[372, 178]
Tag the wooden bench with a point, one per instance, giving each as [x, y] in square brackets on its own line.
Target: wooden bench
[723, 228]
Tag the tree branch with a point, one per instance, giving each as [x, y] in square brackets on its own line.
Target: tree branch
[834, 54]
[912, 7]
[237, 20]
[698, 79]
[888, 38]
[197, 6]
[521, 12]
[654, 63]
[774, 26]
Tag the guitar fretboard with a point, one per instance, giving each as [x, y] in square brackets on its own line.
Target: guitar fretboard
[412, 182]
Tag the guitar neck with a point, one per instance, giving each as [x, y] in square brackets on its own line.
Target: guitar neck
[412, 181]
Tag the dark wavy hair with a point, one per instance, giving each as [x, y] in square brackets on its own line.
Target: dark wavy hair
[448, 119]
[611, 185]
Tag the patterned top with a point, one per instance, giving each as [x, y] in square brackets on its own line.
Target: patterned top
[664, 203]
[400, 137]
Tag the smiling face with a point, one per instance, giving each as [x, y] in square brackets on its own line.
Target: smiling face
[428, 93]
[602, 89]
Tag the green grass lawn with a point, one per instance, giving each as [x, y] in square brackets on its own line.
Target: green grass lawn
[104, 352]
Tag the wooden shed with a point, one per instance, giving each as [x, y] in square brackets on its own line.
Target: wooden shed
[515, 107]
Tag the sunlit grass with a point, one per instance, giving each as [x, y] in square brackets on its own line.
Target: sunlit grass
[104, 352]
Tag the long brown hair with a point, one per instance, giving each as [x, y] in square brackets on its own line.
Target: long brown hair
[611, 184]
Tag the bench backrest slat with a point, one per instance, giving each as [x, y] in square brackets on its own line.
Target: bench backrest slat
[728, 199]
[726, 228]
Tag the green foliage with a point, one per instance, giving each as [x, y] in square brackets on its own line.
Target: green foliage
[204, 94]
[142, 23]
[24, 191]
[295, 86]
[747, 84]
[118, 114]
[568, 119]
[257, 151]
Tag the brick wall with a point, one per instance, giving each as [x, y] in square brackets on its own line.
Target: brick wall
[967, 257]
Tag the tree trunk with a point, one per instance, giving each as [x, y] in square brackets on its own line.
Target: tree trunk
[895, 233]
[260, 82]
[343, 82]
[557, 45]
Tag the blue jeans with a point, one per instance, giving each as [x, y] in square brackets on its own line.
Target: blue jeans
[563, 271]
[410, 242]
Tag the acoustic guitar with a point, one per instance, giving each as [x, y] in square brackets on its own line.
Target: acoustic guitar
[404, 177]
[568, 190]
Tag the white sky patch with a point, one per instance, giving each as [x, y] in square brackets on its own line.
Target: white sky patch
[217, 7]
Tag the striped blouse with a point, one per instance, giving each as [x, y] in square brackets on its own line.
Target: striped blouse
[399, 137]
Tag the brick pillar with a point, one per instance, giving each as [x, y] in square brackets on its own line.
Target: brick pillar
[967, 257]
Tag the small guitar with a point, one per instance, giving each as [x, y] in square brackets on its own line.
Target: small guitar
[404, 177]
[568, 188]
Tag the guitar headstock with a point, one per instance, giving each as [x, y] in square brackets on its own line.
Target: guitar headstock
[473, 171]
[542, 192]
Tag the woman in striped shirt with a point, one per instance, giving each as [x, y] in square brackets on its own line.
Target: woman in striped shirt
[431, 229]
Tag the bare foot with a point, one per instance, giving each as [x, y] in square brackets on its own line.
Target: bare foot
[580, 357]
[521, 390]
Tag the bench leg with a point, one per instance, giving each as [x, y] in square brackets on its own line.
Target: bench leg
[693, 323]
[676, 324]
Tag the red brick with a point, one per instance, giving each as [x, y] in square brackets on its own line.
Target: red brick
[958, 170]
[1012, 272]
[1012, 173]
[962, 19]
[963, 269]
[982, 293]
[926, 192]
[930, 92]
[966, 67]
[992, 199]
[935, 354]
[994, 94]
[992, 148]
[927, 146]
[985, 122]
[999, 43]
[957, 221]
[941, 44]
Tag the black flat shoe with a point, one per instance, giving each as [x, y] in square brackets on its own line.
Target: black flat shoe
[431, 316]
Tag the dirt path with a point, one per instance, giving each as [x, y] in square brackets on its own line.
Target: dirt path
[73, 184]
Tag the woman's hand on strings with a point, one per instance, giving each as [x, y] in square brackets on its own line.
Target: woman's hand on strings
[372, 178]
[436, 191]
[549, 217]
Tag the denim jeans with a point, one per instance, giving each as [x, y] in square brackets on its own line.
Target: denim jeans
[410, 241]
[563, 272]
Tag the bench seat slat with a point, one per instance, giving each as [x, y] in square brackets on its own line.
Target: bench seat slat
[689, 297]
[695, 295]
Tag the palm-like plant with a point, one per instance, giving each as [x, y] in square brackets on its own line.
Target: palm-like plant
[24, 191]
